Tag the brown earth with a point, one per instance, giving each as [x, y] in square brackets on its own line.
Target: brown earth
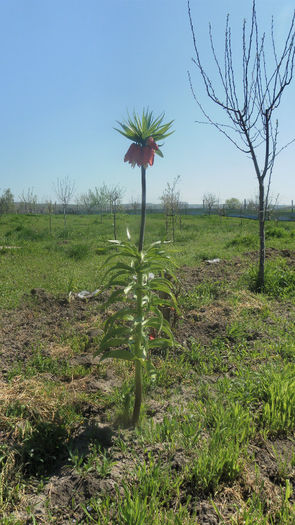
[43, 318]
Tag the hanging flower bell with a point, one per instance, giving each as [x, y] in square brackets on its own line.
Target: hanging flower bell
[142, 155]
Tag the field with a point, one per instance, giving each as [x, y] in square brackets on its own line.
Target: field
[215, 444]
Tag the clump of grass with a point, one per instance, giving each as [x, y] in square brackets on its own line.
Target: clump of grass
[220, 457]
[206, 255]
[97, 460]
[256, 509]
[28, 234]
[78, 251]
[278, 415]
[204, 293]
[41, 418]
[275, 232]
[269, 392]
[279, 279]
[40, 363]
[245, 241]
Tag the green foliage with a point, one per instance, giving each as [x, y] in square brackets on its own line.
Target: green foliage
[233, 203]
[6, 202]
[278, 415]
[217, 357]
[210, 394]
[138, 129]
[203, 293]
[78, 251]
[275, 232]
[141, 286]
[40, 363]
[28, 234]
[97, 460]
[220, 456]
[245, 241]
[137, 284]
[279, 279]
[271, 390]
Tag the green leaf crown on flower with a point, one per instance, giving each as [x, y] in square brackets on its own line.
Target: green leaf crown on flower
[140, 130]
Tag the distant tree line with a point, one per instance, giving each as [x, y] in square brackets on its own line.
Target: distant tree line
[108, 200]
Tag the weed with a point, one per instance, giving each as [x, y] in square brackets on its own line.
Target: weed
[279, 279]
[28, 234]
[41, 363]
[204, 293]
[284, 464]
[219, 459]
[97, 460]
[78, 251]
[275, 232]
[245, 241]
[278, 415]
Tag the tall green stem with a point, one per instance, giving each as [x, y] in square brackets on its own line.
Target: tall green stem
[138, 342]
[143, 208]
[138, 393]
[138, 367]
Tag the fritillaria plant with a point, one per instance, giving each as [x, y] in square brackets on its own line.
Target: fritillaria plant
[141, 282]
[144, 132]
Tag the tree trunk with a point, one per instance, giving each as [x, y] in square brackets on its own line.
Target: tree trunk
[173, 227]
[115, 226]
[261, 217]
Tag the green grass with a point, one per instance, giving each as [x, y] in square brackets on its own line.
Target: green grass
[52, 259]
[218, 404]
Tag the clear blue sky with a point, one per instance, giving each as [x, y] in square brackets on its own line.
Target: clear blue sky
[70, 68]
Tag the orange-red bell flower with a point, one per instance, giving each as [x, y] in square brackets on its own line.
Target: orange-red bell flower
[151, 143]
[148, 154]
[142, 155]
[133, 154]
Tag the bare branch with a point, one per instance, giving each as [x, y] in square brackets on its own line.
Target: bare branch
[263, 83]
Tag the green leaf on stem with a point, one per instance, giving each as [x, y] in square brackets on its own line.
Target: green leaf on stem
[118, 354]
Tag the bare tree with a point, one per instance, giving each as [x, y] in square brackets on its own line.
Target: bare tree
[182, 210]
[252, 204]
[114, 195]
[6, 202]
[49, 206]
[135, 205]
[233, 204]
[28, 200]
[109, 198]
[64, 189]
[170, 200]
[210, 201]
[249, 100]
[86, 201]
[99, 199]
